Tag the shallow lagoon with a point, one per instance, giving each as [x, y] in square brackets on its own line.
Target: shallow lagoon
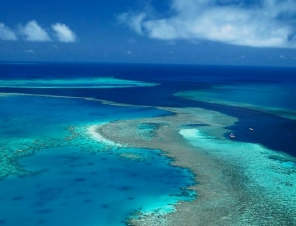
[55, 173]
[68, 187]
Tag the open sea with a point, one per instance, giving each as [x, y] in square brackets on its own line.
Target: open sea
[56, 170]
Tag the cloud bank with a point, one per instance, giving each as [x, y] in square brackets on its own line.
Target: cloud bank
[33, 32]
[6, 33]
[265, 23]
[64, 33]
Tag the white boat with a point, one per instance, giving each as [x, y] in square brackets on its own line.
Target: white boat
[231, 136]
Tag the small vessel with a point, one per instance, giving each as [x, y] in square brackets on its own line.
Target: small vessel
[231, 136]
[251, 129]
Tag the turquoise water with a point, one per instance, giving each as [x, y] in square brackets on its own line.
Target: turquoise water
[26, 120]
[101, 82]
[54, 172]
[75, 188]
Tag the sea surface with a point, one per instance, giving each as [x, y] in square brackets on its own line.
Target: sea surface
[56, 170]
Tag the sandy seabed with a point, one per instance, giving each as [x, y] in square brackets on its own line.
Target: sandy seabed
[225, 194]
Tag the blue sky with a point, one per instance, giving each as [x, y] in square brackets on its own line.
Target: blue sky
[230, 32]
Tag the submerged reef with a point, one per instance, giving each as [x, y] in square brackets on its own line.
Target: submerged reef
[217, 96]
[238, 183]
[13, 150]
[101, 82]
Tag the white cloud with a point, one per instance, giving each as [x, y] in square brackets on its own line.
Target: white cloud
[33, 32]
[64, 33]
[133, 21]
[6, 33]
[269, 23]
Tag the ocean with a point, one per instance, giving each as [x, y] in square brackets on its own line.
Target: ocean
[57, 169]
